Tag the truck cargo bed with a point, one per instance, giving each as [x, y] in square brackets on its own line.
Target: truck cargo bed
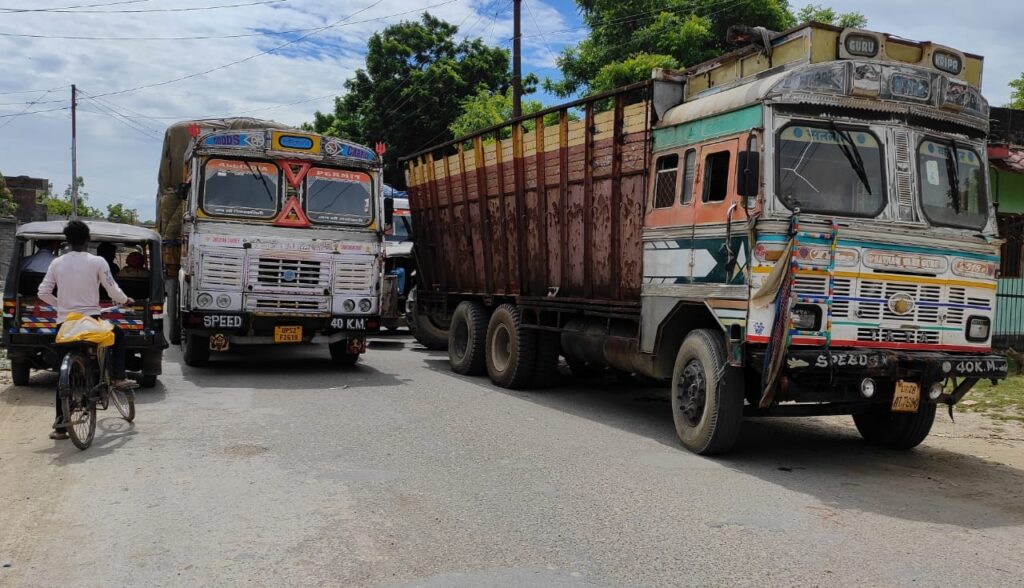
[541, 207]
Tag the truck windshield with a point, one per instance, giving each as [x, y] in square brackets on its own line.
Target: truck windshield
[240, 188]
[338, 196]
[401, 229]
[830, 169]
[965, 207]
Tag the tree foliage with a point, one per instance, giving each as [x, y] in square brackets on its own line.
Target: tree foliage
[117, 213]
[829, 16]
[417, 74]
[60, 206]
[626, 36]
[1017, 93]
[7, 204]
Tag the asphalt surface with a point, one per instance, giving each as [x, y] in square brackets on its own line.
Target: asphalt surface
[274, 468]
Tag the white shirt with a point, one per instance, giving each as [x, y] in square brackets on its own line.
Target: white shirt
[38, 262]
[78, 276]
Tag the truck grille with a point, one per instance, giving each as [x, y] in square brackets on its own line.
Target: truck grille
[353, 277]
[299, 275]
[923, 294]
[221, 269]
[898, 336]
[287, 305]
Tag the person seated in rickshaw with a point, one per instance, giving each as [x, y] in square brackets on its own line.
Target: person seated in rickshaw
[134, 266]
[108, 251]
[39, 262]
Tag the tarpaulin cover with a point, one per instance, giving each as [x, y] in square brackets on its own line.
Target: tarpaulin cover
[80, 328]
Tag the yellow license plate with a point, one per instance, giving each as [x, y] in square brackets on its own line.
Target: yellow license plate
[907, 397]
[287, 334]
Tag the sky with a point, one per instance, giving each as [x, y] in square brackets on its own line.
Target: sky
[132, 89]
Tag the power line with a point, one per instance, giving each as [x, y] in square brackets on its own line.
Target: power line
[72, 7]
[139, 10]
[337, 23]
[28, 106]
[32, 92]
[536, 23]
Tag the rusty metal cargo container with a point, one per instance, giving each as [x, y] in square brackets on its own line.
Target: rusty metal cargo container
[547, 208]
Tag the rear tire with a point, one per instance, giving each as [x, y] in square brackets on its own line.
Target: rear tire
[148, 381]
[340, 354]
[880, 426]
[196, 349]
[707, 409]
[172, 323]
[467, 339]
[77, 404]
[424, 329]
[21, 372]
[511, 349]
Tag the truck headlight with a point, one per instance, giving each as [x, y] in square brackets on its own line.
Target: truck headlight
[223, 301]
[204, 300]
[806, 317]
[365, 305]
[978, 328]
[349, 305]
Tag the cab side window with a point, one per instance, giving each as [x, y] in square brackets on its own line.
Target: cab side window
[667, 170]
[716, 176]
[689, 169]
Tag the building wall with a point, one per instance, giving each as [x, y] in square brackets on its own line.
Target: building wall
[8, 226]
[26, 192]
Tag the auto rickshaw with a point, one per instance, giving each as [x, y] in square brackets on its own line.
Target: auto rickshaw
[29, 324]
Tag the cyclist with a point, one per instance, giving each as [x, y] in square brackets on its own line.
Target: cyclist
[77, 275]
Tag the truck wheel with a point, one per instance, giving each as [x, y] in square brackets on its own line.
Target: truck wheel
[707, 395]
[880, 426]
[340, 354]
[546, 368]
[147, 381]
[172, 322]
[21, 372]
[196, 349]
[429, 334]
[511, 349]
[467, 339]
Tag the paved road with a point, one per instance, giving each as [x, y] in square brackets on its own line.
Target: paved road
[276, 469]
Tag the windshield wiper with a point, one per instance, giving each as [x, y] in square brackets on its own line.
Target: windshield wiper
[852, 154]
[953, 171]
[262, 180]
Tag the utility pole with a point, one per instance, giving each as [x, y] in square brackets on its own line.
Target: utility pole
[74, 154]
[517, 73]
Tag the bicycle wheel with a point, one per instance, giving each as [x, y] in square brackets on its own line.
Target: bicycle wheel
[124, 401]
[76, 399]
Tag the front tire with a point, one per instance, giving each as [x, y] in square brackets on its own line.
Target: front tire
[467, 339]
[511, 349]
[124, 402]
[148, 381]
[340, 354]
[196, 349]
[880, 426]
[21, 372]
[707, 395]
[424, 329]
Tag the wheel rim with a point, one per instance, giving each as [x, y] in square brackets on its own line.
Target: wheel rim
[501, 347]
[692, 393]
[80, 407]
[461, 339]
[120, 401]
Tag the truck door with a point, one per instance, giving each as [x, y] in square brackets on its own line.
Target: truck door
[715, 193]
[668, 230]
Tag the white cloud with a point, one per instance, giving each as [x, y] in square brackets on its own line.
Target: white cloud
[119, 163]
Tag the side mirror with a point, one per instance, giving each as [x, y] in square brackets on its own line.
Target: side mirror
[389, 211]
[182, 190]
[748, 173]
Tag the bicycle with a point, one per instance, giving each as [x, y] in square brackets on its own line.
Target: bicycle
[85, 385]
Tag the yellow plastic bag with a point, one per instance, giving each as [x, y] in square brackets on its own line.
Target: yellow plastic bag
[78, 327]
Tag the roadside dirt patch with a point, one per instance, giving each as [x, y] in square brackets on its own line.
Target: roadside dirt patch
[244, 450]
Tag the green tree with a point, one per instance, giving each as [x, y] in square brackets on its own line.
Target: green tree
[417, 74]
[1017, 93]
[117, 213]
[632, 69]
[688, 31]
[7, 204]
[486, 109]
[819, 13]
[60, 206]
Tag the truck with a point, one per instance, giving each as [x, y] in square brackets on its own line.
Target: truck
[399, 268]
[800, 227]
[272, 236]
